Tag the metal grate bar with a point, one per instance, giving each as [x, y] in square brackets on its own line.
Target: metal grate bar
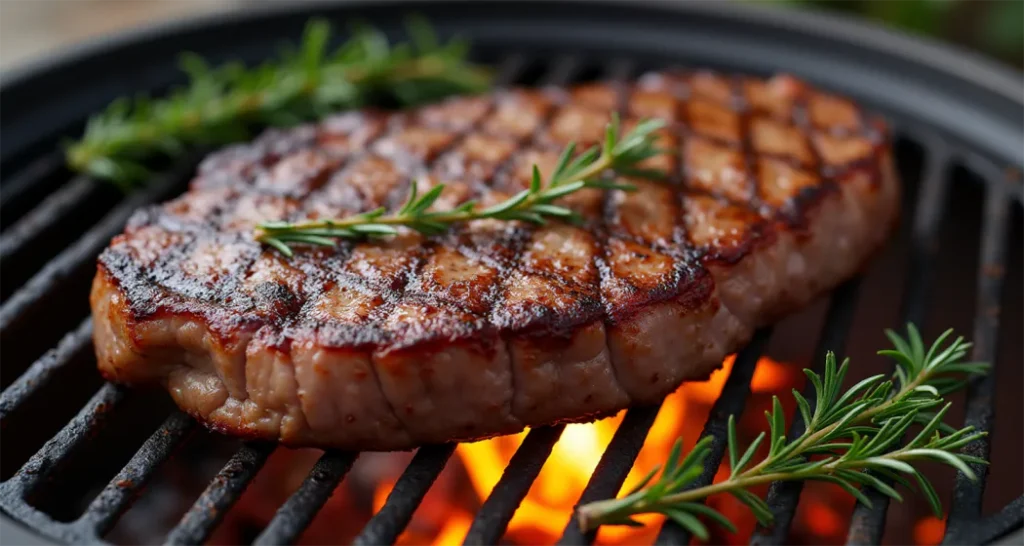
[43, 217]
[406, 496]
[868, 523]
[104, 511]
[730, 402]
[997, 525]
[385, 526]
[85, 249]
[66, 533]
[72, 345]
[493, 517]
[784, 496]
[75, 433]
[31, 183]
[613, 467]
[223, 492]
[931, 206]
[300, 508]
[563, 70]
[509, 69]
[967, 494]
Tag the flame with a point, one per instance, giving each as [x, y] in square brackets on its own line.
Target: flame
[454, 530]
[544, 513]
[446, 513]
[380, 495]
[822, 519]
[929, 530]
[769, 376]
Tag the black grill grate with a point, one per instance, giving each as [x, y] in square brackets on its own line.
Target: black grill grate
[868, 522]
[26, 313]
[223, 491]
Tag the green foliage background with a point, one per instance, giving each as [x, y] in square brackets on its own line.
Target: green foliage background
[994, 27]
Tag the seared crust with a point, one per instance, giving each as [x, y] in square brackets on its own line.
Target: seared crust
[776, 194]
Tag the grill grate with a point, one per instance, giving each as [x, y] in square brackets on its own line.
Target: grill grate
[225, 489]
[784, 496]
[292, 518]
[869, 522]
[730, 402]
[966, 509]
[27, 307]
[299, 509]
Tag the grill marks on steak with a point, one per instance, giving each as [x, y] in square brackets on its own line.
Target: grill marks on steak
[775, 194]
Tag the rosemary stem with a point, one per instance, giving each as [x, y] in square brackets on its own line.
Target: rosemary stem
[597, 511]
[740, 482]
[594, 514]
[223, 104]
[869, 454]
[868, 414]
[602, 163]
[248, 106]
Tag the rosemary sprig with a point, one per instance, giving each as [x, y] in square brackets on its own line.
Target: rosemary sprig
[222, 104]
[852, 439]
[536, 204]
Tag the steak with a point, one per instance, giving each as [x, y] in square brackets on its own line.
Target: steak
[775, 194]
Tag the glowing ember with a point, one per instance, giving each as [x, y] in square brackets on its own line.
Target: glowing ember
[823, 520]
[455, 530]
[545, 511]
[446, 512]
[929, 530]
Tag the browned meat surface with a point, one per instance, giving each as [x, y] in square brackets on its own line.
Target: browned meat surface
[776, 194]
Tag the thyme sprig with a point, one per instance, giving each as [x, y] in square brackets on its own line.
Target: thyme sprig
[852, 439]
[618, 154]
[223, 104]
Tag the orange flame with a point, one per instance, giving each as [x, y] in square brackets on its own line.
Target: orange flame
[929, 530]
[446, 512]
[545, 511]
[454, 530]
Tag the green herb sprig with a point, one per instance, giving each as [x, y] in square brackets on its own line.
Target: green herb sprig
[852, 439]
[223, 104]
[536, 204]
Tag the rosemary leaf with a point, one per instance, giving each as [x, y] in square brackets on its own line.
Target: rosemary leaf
[534, 204]
[223, 104]
[852, 439]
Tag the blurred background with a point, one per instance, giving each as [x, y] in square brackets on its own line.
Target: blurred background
[30, 28]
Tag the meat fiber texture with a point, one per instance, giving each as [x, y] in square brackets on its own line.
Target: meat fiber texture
[775, 194]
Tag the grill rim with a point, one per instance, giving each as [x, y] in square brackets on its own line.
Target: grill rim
[740, 15]
[981, 70]
[35, 81]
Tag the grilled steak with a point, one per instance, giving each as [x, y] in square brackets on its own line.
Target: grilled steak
[776, 193]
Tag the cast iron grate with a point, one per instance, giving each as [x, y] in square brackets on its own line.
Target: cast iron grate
[27, 304]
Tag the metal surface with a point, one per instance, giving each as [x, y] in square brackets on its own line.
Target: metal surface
[869, 521]
[784, 496]
[405, 498]
[730, 402]
[957, 109]
[497, 511]
[613, 467]
[296, 513]
[224, 490]
[963, 524]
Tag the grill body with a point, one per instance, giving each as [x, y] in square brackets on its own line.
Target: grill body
[960, 146]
